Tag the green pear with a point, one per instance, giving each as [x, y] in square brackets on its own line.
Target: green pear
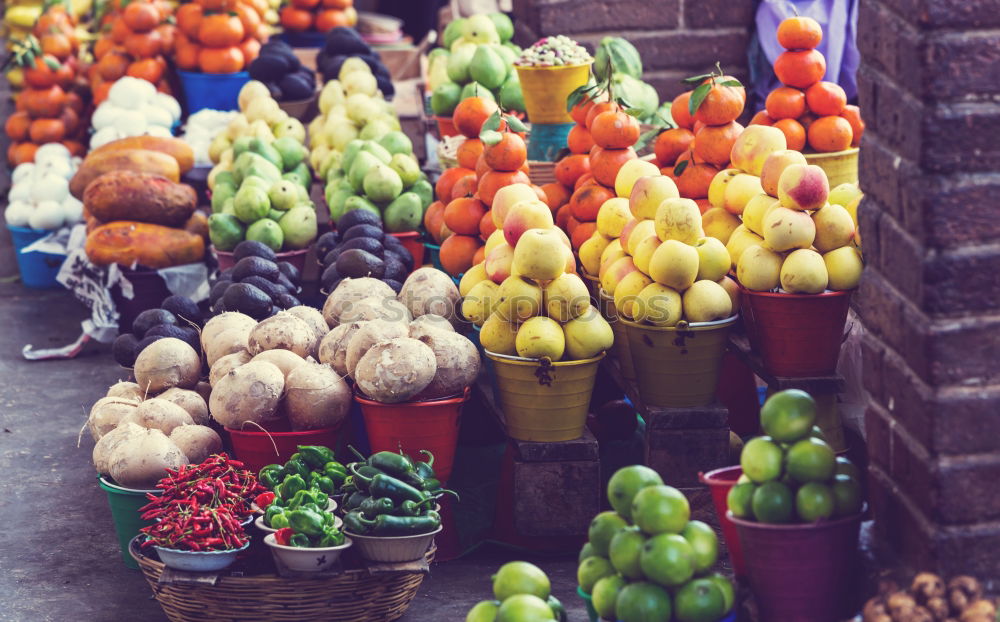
[406, 167]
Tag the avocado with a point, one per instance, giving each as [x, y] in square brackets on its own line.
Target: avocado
[291, 272]
[370, 245]
[331, 258]
[326, 242]
[145, 341]
[357, 263]
[287, 301]
[150, 318]
[329, 287]
[249, 266]
[394, 268]
[218, 290]
[358, 217]
[342, 40]
[283, 281]
[330, 275]
[295, 87]
[401, 254]
[268, 67]
[363, 231]
[253, 248]
[272, 289]
[123, 349]
[247, 299]
[184, 308]
[186, 334]
[395, 285]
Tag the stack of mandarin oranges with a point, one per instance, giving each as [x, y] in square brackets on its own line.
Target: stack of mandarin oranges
[135, 39]
[600, 143]
[49, 109]
[460, 219]
[219, 36]
[808, 109]
[318, 15]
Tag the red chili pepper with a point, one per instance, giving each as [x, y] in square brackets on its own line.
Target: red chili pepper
[283, 536]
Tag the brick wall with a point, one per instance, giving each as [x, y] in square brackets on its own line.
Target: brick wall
[930, 296]
[676, 38]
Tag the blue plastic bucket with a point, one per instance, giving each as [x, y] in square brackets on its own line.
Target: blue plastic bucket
[304, 39]
[546, 140]
[38, 270]
[434, 251]
[217, 91]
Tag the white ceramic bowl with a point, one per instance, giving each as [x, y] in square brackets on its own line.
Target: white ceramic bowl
[302, 559]
[259, 523]
[394, 549]
[331, 505]
[197, 561]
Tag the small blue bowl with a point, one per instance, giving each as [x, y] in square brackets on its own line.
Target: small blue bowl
[198, 561]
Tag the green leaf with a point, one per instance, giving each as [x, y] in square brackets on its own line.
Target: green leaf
[515, 124]
[52, 64]
[490, 137]
[696, 79]
[732, 83]
[697, 97]
[493, 122]
[574, 98]
[633, 112]
[679, 169]
[645, 137]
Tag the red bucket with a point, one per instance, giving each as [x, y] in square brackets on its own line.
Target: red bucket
[296, 258]
[446, 127]
[412, 426]
[255, 448]
[798, 335]
[412, 241]
[720, 482]
[802, 573]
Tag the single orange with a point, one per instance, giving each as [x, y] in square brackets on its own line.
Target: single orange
[581, 233]
[798, 33]
[597, 109]
[457, 253]
[220, 60]
[679, 111]
[141, 16]
[468, 152]
[471, 113]
[486, 225]
[492, 181]
[826, 98]
[579, 139]
[714, 143]
[853, 116]
[761, 118]
[613, 129]
[722, 104]
[447, 181]
[462, 215]
[830, 133]
[510, 154]
[785, 102]
[571, 168]
[800, 68]
[605, 163]
[672, 143]
[795, 134]
[556, 195]
[587, 201]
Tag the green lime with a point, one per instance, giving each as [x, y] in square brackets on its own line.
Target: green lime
[626, 546]
[483, 611]
[726, 586]
[788, 415]
[739, 498]
[660, 509]
[642, 602]
[743, 478]
[846, 467]
[700, 600]
[520, 578]
[705, 543]
[814, 501]
[626, 482]
[761, 460]
[604, 526]
[667, 559]
[591, 570]
[524, 608]
[811, 460]
[772, 503]
[847, 496]
[586, 551]
[605, 595]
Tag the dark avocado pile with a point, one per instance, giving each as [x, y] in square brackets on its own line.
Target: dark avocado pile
[258, 284]
[177, 317]
[281, 70]
[359, 248]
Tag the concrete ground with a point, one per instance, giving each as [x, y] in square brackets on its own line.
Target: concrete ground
[59, 557]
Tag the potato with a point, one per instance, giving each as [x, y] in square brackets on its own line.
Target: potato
[333, 348]
[371, 333]
[225, 334]
[129, 390]
[167, 363]
[285, 360]
[283, 331]
[428, 290]
[316, 397]
[190, 401]
[196, 441]
[420, 325]
[457, 363]
[395, 371]
[250, 392]
[226, 364]
[376, 308]
[141, 460]
[349, 292]
[159, 414]
[111, 440]
[313, 318]
[107, 413]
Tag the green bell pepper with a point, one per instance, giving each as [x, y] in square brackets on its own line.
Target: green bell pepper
[315, 455]
[310, 495]
[300, 540]
[291, 485]
[331, 537]
[271, 475]
[306, 521]
[336, 472]
[322, 482]
[297, 465]
[279, 521]
[271, 512]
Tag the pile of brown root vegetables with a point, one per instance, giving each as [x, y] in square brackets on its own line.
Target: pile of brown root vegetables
[930, 599]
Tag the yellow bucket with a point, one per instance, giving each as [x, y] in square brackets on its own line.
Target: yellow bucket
[620, 350]
[677, 366]
[547, 88]
[543, 401]
[841, 166]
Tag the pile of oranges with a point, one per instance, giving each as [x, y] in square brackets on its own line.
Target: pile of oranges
[692, 153]
[460, 219]
[807, 108]
[219, 36]
[50, 108]
[135, 40]
[318, 15]
[600, 143]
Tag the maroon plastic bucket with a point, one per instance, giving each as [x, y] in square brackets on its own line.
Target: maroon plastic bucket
[720, 482]
[411, 241]
[148, 292]
[256, 448]
[412, 426]
[802, 573]
[296, 258]
[798, 335]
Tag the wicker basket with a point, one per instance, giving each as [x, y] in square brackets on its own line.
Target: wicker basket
[355, 595]
[541, 173]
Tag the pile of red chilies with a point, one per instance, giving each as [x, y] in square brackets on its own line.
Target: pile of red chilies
[201, 506]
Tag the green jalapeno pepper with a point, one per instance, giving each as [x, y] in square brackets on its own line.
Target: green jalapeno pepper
[316, 456]
[412, 508]
[373, 506]
[383, 485]
[354, 522]
[388, 525]
[354, 500]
